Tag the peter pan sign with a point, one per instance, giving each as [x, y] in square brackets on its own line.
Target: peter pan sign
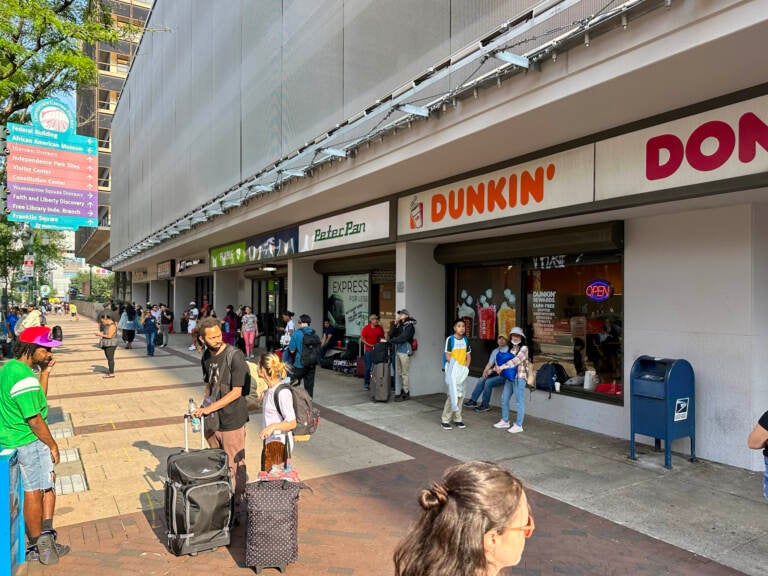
[370, 223]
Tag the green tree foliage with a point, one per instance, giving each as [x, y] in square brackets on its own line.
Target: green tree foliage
[101, 288]
[41, 48]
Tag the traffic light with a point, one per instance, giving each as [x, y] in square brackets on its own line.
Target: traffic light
[4, 132]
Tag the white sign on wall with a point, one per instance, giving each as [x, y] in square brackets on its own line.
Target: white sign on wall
[725, 143]
[370, 223]
[555, 181]
[347, 305]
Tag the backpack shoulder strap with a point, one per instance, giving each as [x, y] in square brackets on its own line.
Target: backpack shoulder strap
[279, 389]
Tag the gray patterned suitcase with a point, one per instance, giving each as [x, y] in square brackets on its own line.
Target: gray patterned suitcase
[273, 524]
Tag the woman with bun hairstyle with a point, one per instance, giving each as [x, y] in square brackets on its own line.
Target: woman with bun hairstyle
[474, 522]
[275, 430]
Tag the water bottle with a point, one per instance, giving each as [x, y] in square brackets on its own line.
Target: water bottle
[195, 421]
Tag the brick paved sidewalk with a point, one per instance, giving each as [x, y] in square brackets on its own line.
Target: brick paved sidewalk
[351, 522]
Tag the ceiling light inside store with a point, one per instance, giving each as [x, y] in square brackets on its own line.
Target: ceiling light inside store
[269, 268]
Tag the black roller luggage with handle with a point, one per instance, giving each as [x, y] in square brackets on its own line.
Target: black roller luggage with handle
[198, 498]
[381, 374]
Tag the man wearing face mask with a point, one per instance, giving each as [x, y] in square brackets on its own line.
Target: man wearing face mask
[23, 425]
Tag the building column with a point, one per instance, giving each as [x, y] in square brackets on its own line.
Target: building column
[420, 288]
[225, 290]
[305, 292]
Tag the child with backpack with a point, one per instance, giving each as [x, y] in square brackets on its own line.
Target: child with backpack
[279, 418]
[457, 357]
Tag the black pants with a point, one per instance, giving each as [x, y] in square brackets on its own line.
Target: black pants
[308, 375]
[109, 352]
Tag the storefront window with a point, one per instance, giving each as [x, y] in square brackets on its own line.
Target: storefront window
[575, 314]
[487, 299]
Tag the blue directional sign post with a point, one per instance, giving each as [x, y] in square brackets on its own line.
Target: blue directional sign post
[52, 171]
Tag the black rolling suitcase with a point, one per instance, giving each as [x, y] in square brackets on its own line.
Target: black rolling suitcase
[198, 498]
[381, 374]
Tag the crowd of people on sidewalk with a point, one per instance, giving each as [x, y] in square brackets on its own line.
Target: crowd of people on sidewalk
[480, 495]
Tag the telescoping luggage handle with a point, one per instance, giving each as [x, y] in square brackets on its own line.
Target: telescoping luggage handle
[187, 417]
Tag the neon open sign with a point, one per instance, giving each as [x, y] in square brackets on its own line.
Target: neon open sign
[599, 290]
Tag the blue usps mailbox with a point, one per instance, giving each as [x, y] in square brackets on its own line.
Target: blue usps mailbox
[11, 518]
[662, 403]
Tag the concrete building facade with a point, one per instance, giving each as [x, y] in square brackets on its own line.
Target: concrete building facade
[592, 171]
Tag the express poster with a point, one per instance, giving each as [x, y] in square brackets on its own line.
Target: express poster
[348, 300]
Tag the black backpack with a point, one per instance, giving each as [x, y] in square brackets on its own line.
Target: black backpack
[57, 333]
[310, 348]
[307, 416]
[548, 374]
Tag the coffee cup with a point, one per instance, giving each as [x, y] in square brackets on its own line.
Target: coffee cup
[557, 386]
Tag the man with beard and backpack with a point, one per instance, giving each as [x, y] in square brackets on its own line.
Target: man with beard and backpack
[305, 345]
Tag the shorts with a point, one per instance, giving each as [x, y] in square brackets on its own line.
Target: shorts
[36, 466]
[191, 326]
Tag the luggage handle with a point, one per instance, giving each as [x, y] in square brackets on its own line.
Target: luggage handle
[188, 416]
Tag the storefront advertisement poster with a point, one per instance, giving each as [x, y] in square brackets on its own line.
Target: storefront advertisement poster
[724, 143]
[555, 181]
[363, 225]
[270, 246]
[348, 301]
[229, 255]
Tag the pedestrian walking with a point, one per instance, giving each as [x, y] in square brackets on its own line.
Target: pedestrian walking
[128, 324]
[474, 522]
[229, 326]
[514, 383]
[192, 314]
[108, 341]
[166, 322]
[24, 426]
[149, 328]
[758, 440]
[305, 358]
[249, 328]
[276, 429]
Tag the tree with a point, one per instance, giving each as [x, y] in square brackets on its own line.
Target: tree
[100, 289]
[41, 48]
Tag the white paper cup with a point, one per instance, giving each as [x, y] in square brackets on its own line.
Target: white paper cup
[557, 386]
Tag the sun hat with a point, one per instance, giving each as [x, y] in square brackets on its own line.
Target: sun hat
[38, 335]
[517, 330]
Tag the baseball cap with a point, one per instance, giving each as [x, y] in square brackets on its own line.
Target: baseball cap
[38, 335]
[404, 311]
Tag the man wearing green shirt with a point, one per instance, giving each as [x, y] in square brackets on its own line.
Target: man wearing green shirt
[23, 425]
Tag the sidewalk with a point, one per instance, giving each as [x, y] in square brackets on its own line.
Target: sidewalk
[596, 511]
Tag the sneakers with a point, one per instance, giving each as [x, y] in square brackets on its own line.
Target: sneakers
[515, 429]
[460, 425]
[446, 426]
[470, 403]
[48, 550]
[502, 424]
[482, 408]
[403, 396]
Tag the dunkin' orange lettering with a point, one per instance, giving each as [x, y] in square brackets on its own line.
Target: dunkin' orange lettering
[456, 203]
[476, 199]
[496, 194]
[490, 195]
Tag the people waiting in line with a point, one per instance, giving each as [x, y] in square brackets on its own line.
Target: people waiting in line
[24, 426]
[402, 338]
[474, 522]
[371, 334]
[489, 379]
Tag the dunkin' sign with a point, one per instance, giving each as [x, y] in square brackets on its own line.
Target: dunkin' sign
[725, 143]
[552, 182]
